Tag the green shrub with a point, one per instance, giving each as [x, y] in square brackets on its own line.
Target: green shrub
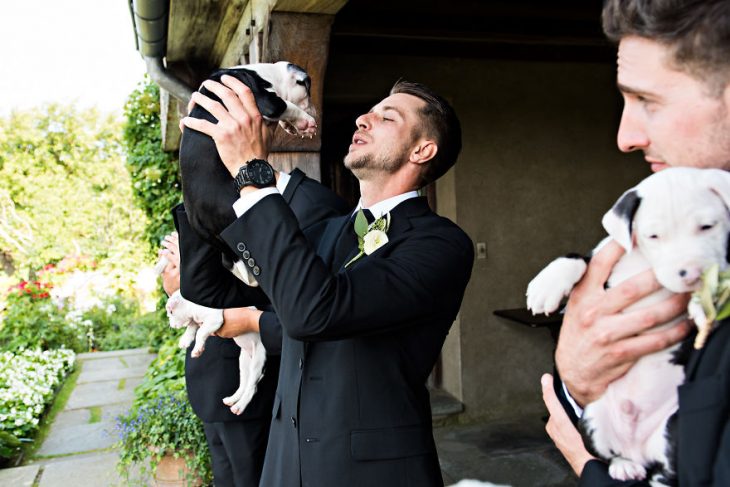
[154, 172]
[159, 426]
[33, 321]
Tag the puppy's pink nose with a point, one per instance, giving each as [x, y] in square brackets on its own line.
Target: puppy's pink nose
[690, 275]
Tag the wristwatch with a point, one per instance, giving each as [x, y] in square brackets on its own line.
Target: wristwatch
[257, 173]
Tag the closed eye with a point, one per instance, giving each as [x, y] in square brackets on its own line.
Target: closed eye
[704, 228]
[300, 82]
[654, 236]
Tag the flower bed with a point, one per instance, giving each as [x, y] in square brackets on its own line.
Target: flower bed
[28, 380]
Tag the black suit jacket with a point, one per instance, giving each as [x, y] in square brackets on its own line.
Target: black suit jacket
[702, 422]
[204, 280]
[352, 408]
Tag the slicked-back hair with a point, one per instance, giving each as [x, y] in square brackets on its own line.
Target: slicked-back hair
[439, 122]
[696, 31]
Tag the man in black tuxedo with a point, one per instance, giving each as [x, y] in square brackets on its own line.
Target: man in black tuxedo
[360, 340]
[674, 74]
[237, 443]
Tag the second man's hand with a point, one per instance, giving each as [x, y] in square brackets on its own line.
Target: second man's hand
[598, 341]
[241, 133]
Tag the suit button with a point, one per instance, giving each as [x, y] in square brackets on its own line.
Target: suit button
[311, 440]
[246, 254]
[301, 363]
[251, 262]
[294, 421]
[241, 246]
[256, 270]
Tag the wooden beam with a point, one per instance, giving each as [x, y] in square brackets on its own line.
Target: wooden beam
[329, 7]
[193, 28]
[304, 40]
[309, 162]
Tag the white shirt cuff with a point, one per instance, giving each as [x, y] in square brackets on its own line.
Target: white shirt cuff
[578, 410]
[241, 271]
[244, 203]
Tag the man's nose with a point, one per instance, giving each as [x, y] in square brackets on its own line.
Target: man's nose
[363, 121]
[631, 134]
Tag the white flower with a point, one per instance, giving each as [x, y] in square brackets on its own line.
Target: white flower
[373, 240]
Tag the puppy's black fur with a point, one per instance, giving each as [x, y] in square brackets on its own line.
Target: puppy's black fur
[207, 186]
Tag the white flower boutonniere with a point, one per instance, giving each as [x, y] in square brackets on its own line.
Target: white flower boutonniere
[370, 237]
[711, 303]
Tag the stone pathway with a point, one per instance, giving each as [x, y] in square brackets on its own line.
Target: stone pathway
[78, 449]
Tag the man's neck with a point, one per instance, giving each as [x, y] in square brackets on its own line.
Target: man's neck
[372, 192]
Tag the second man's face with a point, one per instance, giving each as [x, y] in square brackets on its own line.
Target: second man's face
[673, 117]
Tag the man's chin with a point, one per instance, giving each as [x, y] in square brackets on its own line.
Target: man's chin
[659, 166]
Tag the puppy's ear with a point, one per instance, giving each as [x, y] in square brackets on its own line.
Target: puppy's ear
[719, 183]
[619, 219]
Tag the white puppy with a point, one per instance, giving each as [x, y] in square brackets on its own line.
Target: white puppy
[675, 222]
[200, 323]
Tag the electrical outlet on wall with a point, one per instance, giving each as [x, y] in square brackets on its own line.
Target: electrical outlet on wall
[481, 250]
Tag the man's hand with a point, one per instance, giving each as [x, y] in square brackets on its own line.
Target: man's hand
[237, 321]
[171, 273]
[241, 133]
[561, 430]
[598, 342]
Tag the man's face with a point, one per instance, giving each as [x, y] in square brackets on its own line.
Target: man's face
[671, 116]
[384, 136]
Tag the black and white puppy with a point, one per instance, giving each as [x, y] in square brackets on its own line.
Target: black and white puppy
[675, 222]
[282, 93]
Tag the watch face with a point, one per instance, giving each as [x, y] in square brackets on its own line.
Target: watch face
[260, 172]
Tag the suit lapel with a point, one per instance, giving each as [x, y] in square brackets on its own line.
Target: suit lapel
[330, 236]
[400, 223]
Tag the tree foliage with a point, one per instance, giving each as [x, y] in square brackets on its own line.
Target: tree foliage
[154, 173]
[64, 189]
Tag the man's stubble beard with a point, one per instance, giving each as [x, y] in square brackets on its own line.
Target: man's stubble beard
[364, 165]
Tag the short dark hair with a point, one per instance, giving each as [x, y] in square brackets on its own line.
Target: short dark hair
[697, 32]
[440, 122]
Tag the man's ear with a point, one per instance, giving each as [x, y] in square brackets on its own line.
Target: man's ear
[424, 151]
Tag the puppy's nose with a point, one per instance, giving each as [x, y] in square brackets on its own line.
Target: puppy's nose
[682, 273]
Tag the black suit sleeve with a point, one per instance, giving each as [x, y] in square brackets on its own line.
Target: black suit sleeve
[560, 392]
[424, 277]
[595, 474]
[203, 278]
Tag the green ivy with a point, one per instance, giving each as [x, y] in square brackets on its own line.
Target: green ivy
[154, 172]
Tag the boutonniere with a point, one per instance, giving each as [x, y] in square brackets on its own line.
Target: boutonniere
[711, 303]
[370, 237]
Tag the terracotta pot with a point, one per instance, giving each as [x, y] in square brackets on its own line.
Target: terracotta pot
[171, 472]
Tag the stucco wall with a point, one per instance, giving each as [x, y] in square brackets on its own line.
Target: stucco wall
[538, 169]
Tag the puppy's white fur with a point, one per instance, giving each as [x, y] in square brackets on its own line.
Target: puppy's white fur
[675, 222]
[200, 323]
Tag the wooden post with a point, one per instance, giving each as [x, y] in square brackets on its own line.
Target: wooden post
[302, 39]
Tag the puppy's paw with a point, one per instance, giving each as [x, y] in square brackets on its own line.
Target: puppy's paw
[184, 341]
[197, 350]
[553, 283]
[623, 469]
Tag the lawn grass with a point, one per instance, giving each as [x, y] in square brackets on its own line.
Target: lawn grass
[58, 404]
[95, 415]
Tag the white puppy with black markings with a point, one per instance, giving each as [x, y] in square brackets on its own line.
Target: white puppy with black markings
[200, 323]
[675, 222]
